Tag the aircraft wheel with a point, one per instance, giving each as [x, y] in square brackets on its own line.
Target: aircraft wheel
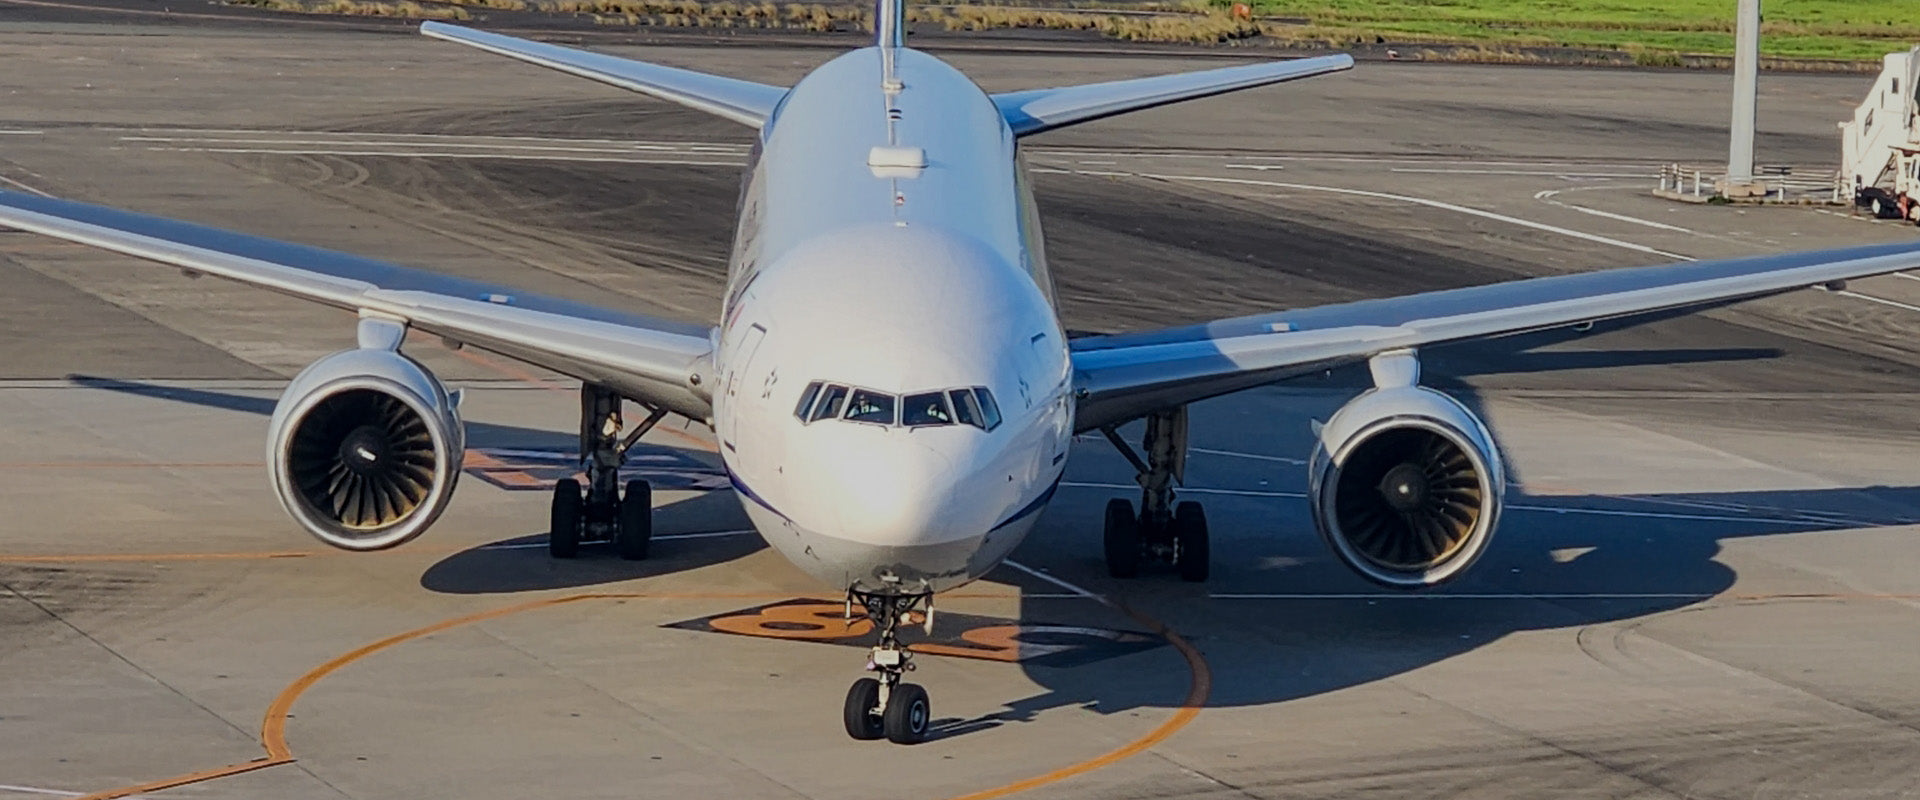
[1122, 539]
[636, 521]
[862, 699]
[1190, 538]
[569, 506]
[909, 714]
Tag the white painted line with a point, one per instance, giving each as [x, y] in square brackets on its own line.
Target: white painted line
[1077, 591]
[8, 787]
[1187, 490]
[1603, 512]
[1261, 167]
[1880, 300]
[15, 132]
[349, 136]
[1908, 276]
[1853, 217]
[1254, 456]
[1524, 223]
[413, 154]
[1544, 173]
[476, 145]
[542, 544]
[23, 187]
[1458, 596]
[1100, 163]
[1547, 197]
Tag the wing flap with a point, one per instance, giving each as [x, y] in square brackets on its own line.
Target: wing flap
[1036, 110]
[745, 102]
[1126, 375]
[650, 359]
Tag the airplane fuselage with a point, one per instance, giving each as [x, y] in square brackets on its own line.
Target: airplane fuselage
[893, 384]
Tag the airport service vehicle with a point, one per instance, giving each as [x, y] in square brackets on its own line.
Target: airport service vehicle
[890, 386]
[1880, 146]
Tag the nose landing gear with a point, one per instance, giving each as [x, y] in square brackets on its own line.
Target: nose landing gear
[598, 512]
[884, 706]
[1163, 531]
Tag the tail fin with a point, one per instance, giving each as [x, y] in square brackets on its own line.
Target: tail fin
[1039, 110]
[889, 23]
[744, 102]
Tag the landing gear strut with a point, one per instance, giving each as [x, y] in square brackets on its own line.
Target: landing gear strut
[884, 706]
[1163, 531]
[597, 512]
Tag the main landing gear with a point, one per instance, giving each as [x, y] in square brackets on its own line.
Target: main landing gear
[884, 706]
[1162, 531]
[598, 512]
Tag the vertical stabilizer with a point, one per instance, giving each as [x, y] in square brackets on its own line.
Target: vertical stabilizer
[889, 23]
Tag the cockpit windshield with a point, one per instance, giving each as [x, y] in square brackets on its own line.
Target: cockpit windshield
[870, 406]
[926, 409]
[972, 406]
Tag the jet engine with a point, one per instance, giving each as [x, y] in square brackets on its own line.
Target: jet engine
[364, 448]
[1406, 486]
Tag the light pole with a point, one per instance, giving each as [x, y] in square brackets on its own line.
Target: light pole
[1746, 79]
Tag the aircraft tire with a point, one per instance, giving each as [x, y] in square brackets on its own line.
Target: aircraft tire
[636, 521]
[1190, 537]
[909, 714]
[569, 506]
[1122, 534]
[862, 698]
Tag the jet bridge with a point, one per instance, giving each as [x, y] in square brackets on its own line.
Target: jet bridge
[1880, 146]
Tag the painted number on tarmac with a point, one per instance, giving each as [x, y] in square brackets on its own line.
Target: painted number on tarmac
[957, 635]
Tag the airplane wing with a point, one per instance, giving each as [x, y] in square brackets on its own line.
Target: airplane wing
[745, 102]
[1124, 376]
[1038, 110]
[653, 360]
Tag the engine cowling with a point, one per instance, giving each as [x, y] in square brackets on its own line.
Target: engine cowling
[1407, 486]
[365, 448]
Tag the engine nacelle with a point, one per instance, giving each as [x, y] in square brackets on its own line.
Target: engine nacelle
[1406, 486]
[364, 448]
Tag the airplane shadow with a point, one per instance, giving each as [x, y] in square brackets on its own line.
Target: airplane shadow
[684, 539]
[1558, 561]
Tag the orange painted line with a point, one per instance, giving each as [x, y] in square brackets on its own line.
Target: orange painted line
[273, 725]
[183, 780]
[1198, 689]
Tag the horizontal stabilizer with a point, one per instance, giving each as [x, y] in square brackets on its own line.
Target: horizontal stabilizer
[1037, 110]
[745, 102]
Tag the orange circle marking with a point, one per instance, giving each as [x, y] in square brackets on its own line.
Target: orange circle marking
[273, 726]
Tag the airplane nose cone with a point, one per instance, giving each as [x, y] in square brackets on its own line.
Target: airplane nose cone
[895, 495]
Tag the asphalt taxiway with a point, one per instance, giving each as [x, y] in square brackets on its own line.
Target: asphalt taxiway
[1703, 586]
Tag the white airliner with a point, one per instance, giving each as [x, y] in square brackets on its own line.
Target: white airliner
[889, 383]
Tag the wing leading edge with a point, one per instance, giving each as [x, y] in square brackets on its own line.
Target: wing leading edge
[649, 359]
[1038, 110]
[1124, 376]
[745, 102]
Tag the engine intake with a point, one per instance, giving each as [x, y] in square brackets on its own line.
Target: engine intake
[1407, 486]
[365, 448]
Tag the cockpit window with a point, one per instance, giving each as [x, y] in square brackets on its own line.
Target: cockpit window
[966, 410]
[870, 406]
[830, 403]
[989, 410]
[806, 400]
[966, 406]
[925, 409]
